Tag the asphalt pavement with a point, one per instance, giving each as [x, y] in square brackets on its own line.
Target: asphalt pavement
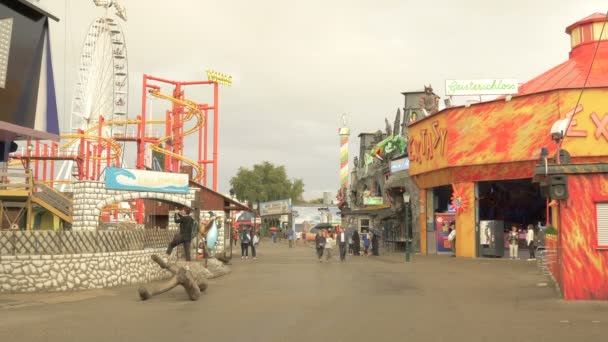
[287, 295]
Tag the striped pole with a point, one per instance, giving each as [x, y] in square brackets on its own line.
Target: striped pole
[344, 132]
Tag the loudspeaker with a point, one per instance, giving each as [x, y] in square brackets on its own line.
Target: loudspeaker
[558, 187]
[7, 147]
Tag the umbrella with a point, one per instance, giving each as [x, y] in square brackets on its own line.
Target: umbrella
[272, 229]
[323, 226]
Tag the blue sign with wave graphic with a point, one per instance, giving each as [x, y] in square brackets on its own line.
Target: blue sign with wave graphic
[141, 180]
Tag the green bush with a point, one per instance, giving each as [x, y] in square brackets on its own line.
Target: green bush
[550, 230]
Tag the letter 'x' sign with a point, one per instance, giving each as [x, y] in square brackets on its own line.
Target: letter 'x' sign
[600, 125]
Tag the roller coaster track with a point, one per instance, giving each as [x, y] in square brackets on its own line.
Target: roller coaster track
[192, 112]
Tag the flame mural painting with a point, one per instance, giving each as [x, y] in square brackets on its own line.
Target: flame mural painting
[500, 142]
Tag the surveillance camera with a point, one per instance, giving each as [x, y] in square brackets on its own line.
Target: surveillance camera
[559, 129]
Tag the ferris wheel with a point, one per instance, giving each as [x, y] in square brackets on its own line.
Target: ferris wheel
[102, 85]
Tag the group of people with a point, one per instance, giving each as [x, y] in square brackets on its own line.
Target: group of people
[513, 239]
[250, 238]
[347, 243]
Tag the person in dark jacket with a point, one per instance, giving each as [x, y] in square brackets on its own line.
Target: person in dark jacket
[356, 243]
[320, 245]
[245, 241]
[375, 247]
[184, 235]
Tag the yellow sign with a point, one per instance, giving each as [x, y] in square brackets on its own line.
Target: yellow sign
[219, 77]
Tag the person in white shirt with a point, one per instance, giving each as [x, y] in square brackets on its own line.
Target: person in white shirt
[342, 241]
[329, 245]
[530, 241]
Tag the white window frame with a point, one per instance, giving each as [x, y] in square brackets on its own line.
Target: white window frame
[601, 225]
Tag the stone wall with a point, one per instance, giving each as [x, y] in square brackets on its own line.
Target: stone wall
[71, 272]
[91, 197]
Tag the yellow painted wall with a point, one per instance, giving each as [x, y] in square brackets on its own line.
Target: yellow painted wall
[465, 222]
[590, 121]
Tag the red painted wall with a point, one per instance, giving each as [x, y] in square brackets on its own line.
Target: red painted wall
[584, 267]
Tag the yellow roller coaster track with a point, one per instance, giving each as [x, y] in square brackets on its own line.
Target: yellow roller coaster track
[193, 111]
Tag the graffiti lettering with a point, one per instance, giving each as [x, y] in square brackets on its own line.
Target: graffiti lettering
[571, 131]
[600, 125]
[428, 143]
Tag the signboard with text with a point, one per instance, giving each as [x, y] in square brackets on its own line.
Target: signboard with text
[142, 180]
[373, 200]
[279, 207]
[481, 87]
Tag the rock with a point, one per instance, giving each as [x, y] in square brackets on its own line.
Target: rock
[60, 278]
[6, 287]
[46, 268]
[76, 281]
[37, 263]
[70, 285]
[83, 267]
[17, 271]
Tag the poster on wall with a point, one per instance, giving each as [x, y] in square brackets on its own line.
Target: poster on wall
[442, 226]
[486, 233]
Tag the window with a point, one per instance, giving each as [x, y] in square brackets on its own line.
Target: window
[601, 214]
[364, 224]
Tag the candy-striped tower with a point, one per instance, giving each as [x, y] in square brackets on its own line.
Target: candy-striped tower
[344, 132]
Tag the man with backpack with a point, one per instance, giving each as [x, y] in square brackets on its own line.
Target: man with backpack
[185, 233]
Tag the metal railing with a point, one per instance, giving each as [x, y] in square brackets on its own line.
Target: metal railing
[79, 242]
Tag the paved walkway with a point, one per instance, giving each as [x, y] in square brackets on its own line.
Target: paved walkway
[286, 295]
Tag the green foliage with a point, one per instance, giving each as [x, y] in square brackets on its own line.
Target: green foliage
[266, 182]
[316, 201]
[550, 230]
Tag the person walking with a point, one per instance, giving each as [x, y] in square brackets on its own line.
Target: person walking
[342, 240]
[235, 236]
[365, 238]
[513, 243]
[245, 240]
[320, 245]
[291, 236]
[184, 235]
[274, 236]
[356, 243]
[350, 244]
[375, 246]
[329, 247]
[452, 238]
[530, 242]
[255, 240]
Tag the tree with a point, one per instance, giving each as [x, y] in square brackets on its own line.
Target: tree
[265, 182]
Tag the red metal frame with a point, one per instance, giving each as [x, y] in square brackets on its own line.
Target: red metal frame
[90, 151]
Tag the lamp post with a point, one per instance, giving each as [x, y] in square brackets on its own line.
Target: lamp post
[406, 202]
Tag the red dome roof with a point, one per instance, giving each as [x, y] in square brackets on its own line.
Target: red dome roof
[572, 73]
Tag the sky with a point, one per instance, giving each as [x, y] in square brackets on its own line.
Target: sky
[299, 65]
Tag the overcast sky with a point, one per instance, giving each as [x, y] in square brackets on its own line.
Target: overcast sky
[298, 65]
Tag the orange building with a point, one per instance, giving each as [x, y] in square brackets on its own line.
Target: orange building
[486, 156]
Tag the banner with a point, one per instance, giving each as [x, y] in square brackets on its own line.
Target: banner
[481, 87]
[373, 200]
[275, 207]
[142, 180]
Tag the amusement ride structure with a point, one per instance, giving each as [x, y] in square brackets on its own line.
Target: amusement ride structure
[100, 124]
